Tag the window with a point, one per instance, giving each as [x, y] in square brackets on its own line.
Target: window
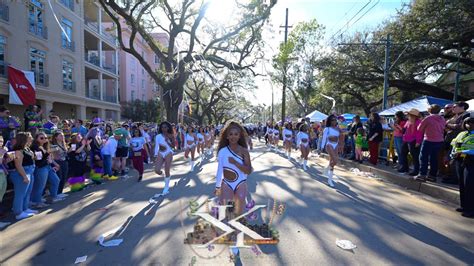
[67, 76]
[143, 84]
[37, 64]
[132, 78]
[157, 59]
[133, 95]
[143, 97]
[36, 18]
[4, 11]
[66, 35]
[3, 65]
[68, 3]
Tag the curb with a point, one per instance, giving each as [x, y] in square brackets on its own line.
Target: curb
[434, 190]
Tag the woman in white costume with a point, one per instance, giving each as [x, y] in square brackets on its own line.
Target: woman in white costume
[302, 140]
[287, 139]
[276, 136]
[190, 145]
[332, 142]
[234, 165]
[163, 152]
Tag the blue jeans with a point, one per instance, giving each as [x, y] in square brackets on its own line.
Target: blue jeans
[21, 189]
[429, 151]
[42, 175]
[398, 141]
[107, 159]
[62, 174]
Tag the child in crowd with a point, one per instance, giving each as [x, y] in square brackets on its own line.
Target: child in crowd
[360, 143]
[108, 152]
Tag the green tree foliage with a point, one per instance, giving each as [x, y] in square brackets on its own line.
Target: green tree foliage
[146, 111]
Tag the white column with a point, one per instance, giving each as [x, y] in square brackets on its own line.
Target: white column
[48, 106]
[101, 93]
[81, 112]
[116, 61]
[117, 91]
[102, 113]
[99, 43]
[99, 18]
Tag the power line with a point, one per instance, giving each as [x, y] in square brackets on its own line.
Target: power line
[347, 23]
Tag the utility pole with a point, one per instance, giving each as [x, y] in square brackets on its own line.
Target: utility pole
[285, 66]
[458, 76]
[386, 69]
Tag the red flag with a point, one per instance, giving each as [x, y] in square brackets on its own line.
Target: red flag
[21, 86]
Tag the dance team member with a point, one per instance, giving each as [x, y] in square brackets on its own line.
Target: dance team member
[302, 140]
[332, 136]
[190, 145]
[233, 166]
[163, 153]
[287, 139]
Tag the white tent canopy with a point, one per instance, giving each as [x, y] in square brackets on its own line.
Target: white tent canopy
[422, 104]
[471, 105]
[316, 116]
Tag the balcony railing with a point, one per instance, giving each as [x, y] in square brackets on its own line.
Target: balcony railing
[110, 98]
[40, 31]
[4, 11]
[69, 45]
[92, 24]
[110, 68]
[111, 38]
[93, 59]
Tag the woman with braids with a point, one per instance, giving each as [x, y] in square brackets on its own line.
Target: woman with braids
[163, 152]
[333, 143]
[233, 166]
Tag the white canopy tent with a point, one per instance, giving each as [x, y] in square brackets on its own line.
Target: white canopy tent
[316, 116]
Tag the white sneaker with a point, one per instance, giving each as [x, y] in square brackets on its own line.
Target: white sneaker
[31, 211]
[54, 200]
[62, 195]
[304, 167]
[23, 215]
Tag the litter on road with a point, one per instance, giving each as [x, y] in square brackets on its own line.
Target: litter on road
[345, 244]
[80, 259]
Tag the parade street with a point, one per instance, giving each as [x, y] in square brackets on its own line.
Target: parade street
[389, 225]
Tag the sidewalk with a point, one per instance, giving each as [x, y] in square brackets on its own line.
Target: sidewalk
[449, 193]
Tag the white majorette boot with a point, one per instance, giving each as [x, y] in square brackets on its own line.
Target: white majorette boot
[192, 166]
[167, 186]
[330, 183]
[305, 167]
[288, 155]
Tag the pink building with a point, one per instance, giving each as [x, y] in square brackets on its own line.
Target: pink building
[135, 83]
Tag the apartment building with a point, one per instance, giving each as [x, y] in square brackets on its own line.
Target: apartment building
[135, 83]
[76, 66]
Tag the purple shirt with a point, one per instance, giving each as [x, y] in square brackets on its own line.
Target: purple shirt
[433, 128]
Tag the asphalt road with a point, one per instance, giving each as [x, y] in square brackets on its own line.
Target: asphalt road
[389, 225]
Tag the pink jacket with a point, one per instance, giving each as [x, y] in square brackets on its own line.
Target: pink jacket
[412, 133]
[433, 128]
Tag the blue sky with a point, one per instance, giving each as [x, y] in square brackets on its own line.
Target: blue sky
[333, 14]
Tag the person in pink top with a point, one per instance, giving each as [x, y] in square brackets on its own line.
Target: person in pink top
[412, 139]
[433, 129]
[397, 127]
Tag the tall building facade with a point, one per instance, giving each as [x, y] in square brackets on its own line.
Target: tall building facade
[72, 49]
[135, 83]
